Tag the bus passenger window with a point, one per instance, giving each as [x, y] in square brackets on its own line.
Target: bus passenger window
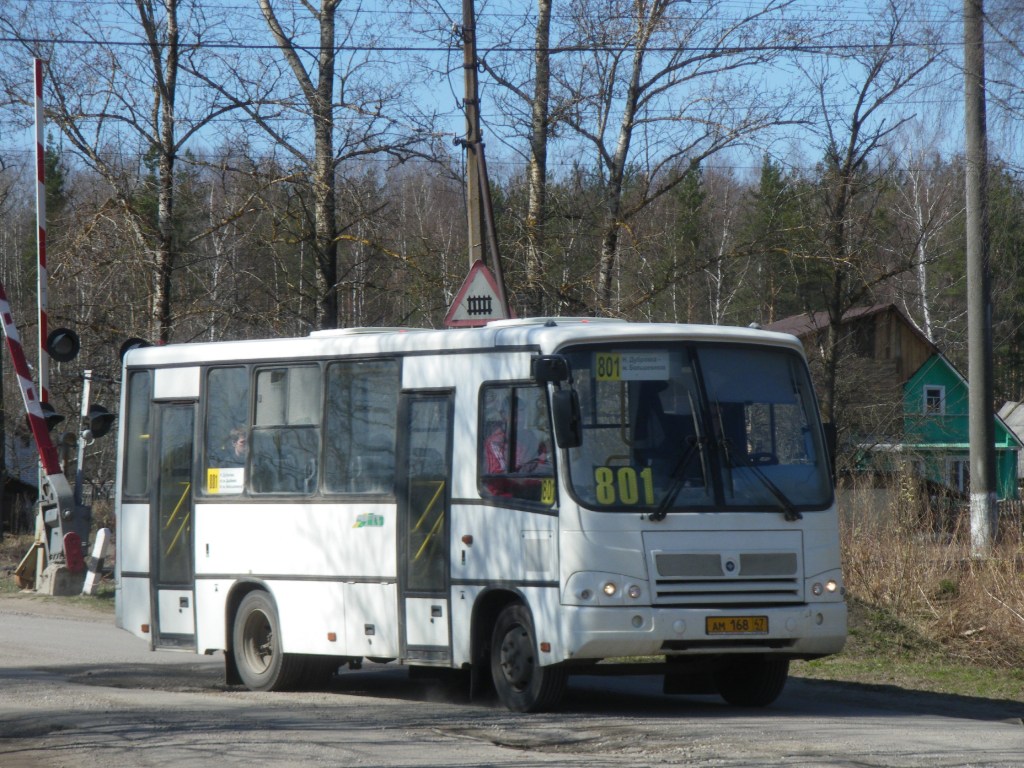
[227, 428]
[360, 426]
[516, 457]
[137, 430]
[286, 434]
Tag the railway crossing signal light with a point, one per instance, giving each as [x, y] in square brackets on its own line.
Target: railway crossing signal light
[63, 345]
[98, 422]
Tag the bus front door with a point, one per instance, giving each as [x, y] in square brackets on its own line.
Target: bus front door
[423, 548]
[172, 558]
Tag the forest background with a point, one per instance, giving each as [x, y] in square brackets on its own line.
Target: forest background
[254, 168]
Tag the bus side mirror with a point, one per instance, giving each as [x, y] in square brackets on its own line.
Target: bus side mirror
[549, 369]
[565, 404]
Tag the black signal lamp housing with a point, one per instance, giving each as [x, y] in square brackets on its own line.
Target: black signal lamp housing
[63, 345]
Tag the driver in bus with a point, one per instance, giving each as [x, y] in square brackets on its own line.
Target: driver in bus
[527, 442]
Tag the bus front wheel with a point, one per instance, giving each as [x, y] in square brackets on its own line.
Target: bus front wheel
[522, 684]
[257, 646]
[751, 682]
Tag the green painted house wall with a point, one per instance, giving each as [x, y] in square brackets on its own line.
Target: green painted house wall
[936, 428]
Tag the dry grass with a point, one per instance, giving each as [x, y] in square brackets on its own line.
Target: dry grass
[912, 564]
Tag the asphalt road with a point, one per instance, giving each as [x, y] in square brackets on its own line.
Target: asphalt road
[76, 691]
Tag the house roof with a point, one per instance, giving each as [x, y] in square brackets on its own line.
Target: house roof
[811, 323]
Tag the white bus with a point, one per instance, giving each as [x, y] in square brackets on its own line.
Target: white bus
[522, 501]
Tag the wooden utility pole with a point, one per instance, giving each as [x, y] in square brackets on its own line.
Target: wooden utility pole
[984, 510]
[482, 233]
[473, 138]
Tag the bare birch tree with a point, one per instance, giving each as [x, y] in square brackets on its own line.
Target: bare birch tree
[863, 89]
[330, 96]
[112, 89]
[655, 84]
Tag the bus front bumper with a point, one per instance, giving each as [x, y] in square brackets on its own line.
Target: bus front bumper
[799, 631]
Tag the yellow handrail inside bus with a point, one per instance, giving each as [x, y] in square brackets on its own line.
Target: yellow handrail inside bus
[430, 506]
[437, 523]
[174, 514]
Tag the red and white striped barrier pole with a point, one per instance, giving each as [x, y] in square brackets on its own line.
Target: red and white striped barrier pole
[36, 420]
[44, 362]
[66, 525]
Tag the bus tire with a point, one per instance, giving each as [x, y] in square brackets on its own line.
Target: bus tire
[753, 681]
[256, 646]
[522, 684]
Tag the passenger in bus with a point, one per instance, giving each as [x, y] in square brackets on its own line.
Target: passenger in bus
[233, 452]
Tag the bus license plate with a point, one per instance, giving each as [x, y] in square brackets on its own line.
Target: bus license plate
[736, 625]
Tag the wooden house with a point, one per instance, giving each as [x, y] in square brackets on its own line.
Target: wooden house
[901, 402]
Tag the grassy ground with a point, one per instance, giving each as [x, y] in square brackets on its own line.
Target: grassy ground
[881, 650]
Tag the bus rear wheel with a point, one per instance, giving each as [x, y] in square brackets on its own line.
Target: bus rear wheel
[754, 681]
[256, 645]
[522, 684]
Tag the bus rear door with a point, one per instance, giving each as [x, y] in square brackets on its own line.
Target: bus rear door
[172, 556]
[423, 548]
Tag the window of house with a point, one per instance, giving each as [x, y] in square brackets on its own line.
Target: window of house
[934, 400]
[959, 474]
[516, 451]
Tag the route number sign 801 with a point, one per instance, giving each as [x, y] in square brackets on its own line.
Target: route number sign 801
[623, 485]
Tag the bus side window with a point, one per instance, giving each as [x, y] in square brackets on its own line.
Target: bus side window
[226, 445]
[515, 456]
[360, 427]
[137, 431]
[286, 433]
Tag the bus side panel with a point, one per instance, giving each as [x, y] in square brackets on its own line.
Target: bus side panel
[133, 607]
[346, 542]
[511, 550]
[311, 613]
[371, 620]
[329, 567]
[211, 627]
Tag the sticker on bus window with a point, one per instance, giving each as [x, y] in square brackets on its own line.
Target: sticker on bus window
[631, 366]
[625, 486]
[225, 480]
[547, 491]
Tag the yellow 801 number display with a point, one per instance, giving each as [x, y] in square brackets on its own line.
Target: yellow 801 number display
[608, 366]
[625, 486]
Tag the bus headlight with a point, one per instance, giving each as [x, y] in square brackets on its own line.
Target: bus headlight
[597, 588]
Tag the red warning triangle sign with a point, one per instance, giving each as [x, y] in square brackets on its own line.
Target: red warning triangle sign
[477, 301]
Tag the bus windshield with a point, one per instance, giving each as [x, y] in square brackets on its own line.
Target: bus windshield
[692, 426]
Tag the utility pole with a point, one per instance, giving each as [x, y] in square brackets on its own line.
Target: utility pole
[984, 510]
[472, 142]
[482, 233]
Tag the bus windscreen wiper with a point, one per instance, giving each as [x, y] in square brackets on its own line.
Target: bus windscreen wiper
[790, 511]
[679, 472]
